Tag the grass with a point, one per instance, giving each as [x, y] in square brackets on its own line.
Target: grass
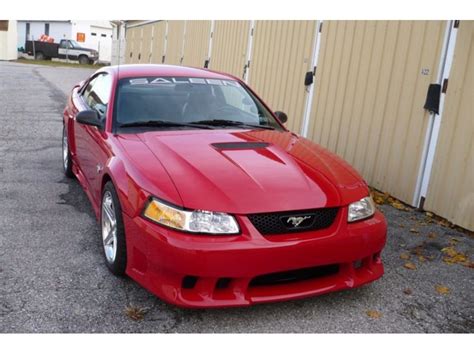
[51, 63]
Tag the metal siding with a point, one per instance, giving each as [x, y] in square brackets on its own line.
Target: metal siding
[369, 97]
[159, 33]
[196, 44]
[174, 46]
[280, 59]
[229, 47]
[451, 189]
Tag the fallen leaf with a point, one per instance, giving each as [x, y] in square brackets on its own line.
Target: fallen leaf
[453, 241]
[468, 264]
[431, 235]
[379, 198]
[398, 205]
[413, 230]
[374, 314]
[405, 256]
[402, 225]
[421, 258]
[429, 214]
[443, 223]
[135, 313]
[418, 250]
[442, 290]
[407, 291]
[410, 266]
[403, 245]
[452, 256]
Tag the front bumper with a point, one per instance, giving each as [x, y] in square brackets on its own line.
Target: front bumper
[222, 271]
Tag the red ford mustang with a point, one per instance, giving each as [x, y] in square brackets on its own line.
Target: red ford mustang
[206, 199]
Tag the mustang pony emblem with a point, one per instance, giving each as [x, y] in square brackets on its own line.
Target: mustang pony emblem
[296, 221]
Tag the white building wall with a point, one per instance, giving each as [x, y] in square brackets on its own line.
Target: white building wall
[8, 49]
[57, 29]
[98, 36]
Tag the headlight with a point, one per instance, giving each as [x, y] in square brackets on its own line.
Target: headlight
[361, 209]
[190, 221]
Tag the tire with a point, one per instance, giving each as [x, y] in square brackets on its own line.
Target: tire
[67, 161]
[39, 56]
[83, 59]
[113, 238]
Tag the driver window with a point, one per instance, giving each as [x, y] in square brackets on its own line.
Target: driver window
[65, 44]
[97, 93]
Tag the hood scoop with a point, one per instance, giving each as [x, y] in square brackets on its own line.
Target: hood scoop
[240, 145]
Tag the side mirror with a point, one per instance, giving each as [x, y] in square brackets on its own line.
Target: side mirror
[89, 117]
[281, 116]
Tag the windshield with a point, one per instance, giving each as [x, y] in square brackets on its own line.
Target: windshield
[188, 103]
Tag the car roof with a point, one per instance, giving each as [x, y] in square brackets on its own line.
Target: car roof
[134, 70]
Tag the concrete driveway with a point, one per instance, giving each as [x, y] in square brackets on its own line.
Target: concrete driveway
[53, 277]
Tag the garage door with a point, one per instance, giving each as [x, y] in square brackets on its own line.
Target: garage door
[451, 189]
[229, 47]
[196, 43]
[371, 85]
[175, 41]
[133, 43]
[281, 56]
[145, 45]
[158, 42]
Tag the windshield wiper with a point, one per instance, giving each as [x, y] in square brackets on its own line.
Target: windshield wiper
[160, 123]
[231, 123]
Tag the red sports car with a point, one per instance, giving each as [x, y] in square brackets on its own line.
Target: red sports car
[206, 199]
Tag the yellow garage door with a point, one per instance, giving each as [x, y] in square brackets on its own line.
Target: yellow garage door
[158, 42]
[281, 56]
[451, 188]
[133, 42]
[229, 47]
[175, 42]
[371, 84]
[145, 45]
[196, 43]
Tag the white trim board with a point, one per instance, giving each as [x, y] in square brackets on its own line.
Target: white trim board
[432, 131]
[310, 89]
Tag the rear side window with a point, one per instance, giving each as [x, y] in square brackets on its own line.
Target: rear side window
[97, 93]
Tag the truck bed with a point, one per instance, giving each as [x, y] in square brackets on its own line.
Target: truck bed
[49, 50]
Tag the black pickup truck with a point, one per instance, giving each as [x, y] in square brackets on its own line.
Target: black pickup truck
[65, 49]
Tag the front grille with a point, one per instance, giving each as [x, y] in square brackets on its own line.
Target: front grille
[294, 221]
[286, 277]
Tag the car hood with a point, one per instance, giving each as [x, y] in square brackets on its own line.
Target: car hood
[252, 171]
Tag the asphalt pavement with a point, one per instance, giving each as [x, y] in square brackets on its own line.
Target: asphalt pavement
[53, 277]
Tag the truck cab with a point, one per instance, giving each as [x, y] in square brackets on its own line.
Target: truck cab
[70, 49]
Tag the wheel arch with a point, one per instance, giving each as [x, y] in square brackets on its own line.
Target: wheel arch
[116, 173]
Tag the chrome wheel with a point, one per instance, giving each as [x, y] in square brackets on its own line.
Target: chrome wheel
[65, 151]
[109, 227]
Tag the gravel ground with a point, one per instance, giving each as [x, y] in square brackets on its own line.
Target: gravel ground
[53, 277]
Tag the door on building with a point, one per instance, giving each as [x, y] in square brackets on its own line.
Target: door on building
[281, 56]
[371, 85]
